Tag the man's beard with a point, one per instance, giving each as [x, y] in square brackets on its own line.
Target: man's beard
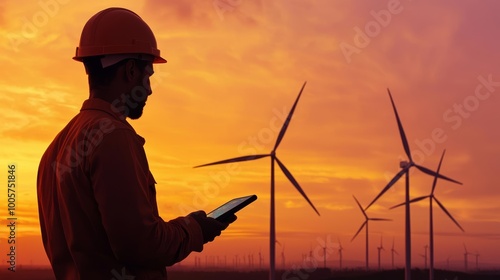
[135, 113]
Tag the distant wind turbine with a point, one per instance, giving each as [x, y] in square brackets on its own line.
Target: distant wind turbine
[425, 256]
[283, 264]
[432, 198]
[406, 165]
[393, 251]
[324, 256]
[260, 260]
[477, 260]
[380, 248]
[465, 257]
[365, 224]
[274, 158]
[340, 254]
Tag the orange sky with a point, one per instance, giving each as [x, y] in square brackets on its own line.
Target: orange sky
[233, 72]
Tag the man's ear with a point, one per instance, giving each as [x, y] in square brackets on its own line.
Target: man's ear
[130, 70]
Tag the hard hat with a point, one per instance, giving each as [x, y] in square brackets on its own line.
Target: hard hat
[117, 31]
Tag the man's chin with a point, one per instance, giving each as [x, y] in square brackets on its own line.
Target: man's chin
[136, 113]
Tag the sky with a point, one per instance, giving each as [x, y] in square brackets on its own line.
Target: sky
[234, 70]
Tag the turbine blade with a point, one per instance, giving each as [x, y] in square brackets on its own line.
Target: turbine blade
[411, 201]
[361, 208]
[401, 130]
[295, 183]
[288, 119]
[379, 219]
[359, 230]
[437, 172]
[237, 159]
[432, 173]
[448, 213]
[394, 180]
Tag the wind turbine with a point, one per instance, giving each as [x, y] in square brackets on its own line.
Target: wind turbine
[365, 224]
[425, 256]
[340, 254]
[260, 260]
[432, 198]
[477, 260]
[324, 256]
[406, 165]
[465, 257]
[283, 257]
[274, 158]
[381, 248]
[393, 251]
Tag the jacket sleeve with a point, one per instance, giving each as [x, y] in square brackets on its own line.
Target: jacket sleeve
[124, 192]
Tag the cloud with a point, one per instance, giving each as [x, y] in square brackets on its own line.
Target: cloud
[31, 110]
[188, 14]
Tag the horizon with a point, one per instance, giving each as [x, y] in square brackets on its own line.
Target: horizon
[232, 76]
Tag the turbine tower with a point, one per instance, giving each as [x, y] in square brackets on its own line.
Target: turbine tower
[274, 159]
[406, 165]
[365, 224]
[433, 198]
[465, 258]
[283, 257]
[340, 254]
[393, 251]
[380, 248]
[324, 256]
[260, 260]
[477, 261]
[425, 256]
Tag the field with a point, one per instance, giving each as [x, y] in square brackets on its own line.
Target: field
[319, 274]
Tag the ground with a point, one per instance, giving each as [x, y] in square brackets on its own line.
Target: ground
[318, 274]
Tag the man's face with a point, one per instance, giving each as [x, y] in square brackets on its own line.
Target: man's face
[140, 92]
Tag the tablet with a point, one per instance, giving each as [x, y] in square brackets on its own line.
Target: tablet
[229, 208]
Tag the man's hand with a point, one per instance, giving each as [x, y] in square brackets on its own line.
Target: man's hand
[210, 227]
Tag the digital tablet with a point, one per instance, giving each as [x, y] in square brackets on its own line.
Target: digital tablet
[229, 208]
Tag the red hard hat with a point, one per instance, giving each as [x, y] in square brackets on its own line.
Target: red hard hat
[117, 31]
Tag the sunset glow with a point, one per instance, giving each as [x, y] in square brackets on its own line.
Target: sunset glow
[234, 70]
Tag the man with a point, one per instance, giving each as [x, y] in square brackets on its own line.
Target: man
[96, 194]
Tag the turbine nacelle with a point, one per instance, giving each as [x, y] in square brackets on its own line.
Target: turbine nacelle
[405, 164]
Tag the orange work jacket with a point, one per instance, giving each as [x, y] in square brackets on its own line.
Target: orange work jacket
[97, 203]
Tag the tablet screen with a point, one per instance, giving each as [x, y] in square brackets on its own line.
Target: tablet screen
[232, 206]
